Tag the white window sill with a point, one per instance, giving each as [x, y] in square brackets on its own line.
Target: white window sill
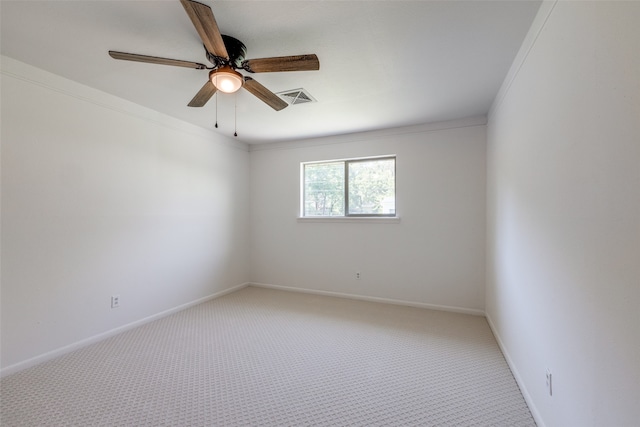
[353, 219]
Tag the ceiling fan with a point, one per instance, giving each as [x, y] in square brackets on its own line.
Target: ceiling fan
[227, 54]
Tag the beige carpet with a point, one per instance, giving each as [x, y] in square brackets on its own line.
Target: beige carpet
[261, 357]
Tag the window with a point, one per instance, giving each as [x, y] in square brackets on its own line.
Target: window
[349, 188]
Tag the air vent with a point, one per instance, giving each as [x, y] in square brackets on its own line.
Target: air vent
[296, 96]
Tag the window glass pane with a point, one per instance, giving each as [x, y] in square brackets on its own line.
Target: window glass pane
[372, 187]
[324, 189]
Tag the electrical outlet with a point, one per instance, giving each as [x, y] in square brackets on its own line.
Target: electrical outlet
[357, 275]
[115, 301]
[549, 382]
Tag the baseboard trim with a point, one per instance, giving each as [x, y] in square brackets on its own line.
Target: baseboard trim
[523, 389]
[371, 299]
[16, 367]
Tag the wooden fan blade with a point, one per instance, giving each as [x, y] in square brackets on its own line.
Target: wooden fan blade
[204, 94]
[282, 63]
[264, 94]
[202, 17]
[155, 60]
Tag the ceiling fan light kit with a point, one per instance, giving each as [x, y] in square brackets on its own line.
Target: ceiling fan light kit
[227, 56]
[226, 79]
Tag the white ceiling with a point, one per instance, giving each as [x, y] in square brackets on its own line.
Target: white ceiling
[382, 63]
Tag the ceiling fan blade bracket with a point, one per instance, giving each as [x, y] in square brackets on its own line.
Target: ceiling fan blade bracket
[217, 61]
[246, 66]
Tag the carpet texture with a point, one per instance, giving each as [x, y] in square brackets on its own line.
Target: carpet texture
[261, 357]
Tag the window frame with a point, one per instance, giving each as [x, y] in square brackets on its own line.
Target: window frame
[346, 215]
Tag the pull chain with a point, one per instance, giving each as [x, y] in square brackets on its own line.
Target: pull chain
[235, 111]
[216, 110]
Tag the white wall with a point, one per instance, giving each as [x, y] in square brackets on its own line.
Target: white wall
[103, 197]
[435, 255]
[563, 284]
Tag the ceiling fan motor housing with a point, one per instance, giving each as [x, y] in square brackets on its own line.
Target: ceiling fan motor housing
[236, 50]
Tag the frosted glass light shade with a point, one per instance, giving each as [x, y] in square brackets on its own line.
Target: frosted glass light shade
[226, 79]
